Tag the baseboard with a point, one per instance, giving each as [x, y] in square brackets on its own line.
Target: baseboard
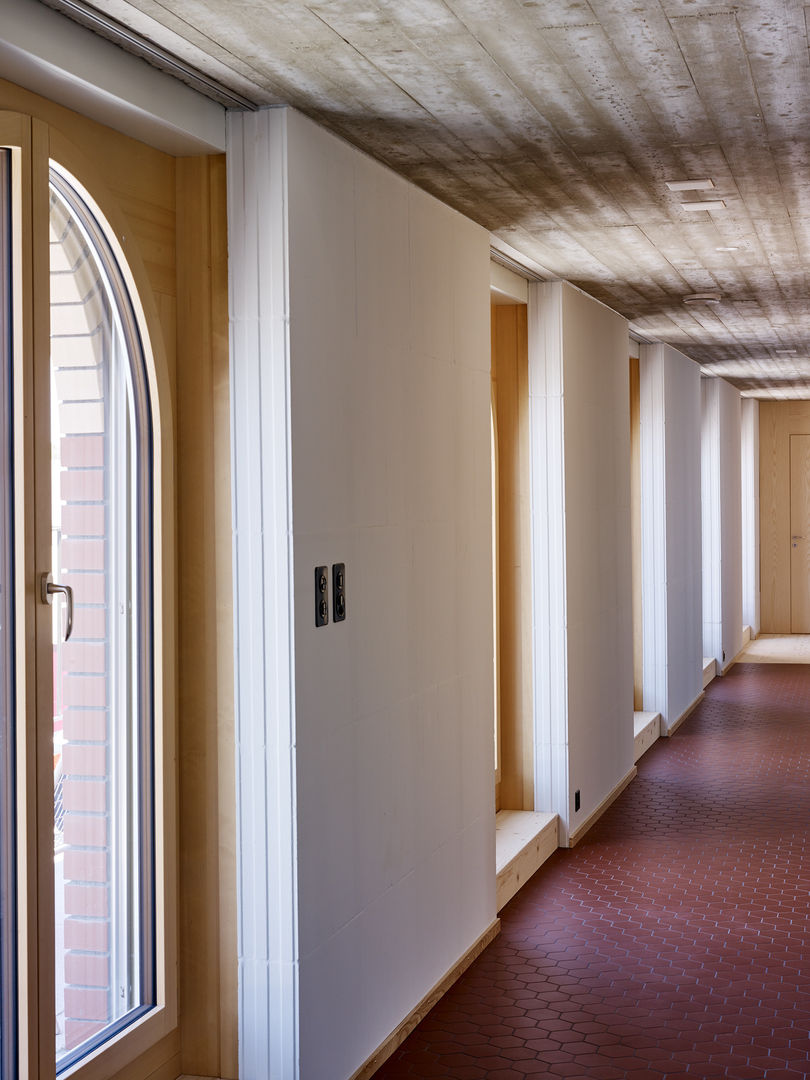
[594, 815]
[416, 1015]
[686, 713]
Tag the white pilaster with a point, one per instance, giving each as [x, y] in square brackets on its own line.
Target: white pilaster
[265, 735]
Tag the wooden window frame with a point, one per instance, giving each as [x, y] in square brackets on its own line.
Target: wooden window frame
[152, 1039]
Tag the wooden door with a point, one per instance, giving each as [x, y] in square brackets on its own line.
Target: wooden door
[800, 534]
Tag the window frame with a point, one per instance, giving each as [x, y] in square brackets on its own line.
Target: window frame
[140, 1034]
[8, 844]
[153, 1039]
[95, 231]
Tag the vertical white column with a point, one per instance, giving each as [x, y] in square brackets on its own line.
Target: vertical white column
[710, 493]
[579, 402]
[670, 531]
[653, 529]
[265, 728]
[749, 471]
[547, 485]
[721, 513]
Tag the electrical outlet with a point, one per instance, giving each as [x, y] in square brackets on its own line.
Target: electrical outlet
[321, 595]
[338, 592]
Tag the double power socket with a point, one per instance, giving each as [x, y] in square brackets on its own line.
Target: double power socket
[322, 593]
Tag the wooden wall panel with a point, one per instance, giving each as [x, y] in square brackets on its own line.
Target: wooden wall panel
[510, 370]
[778, 420]
[800, 534]
[207, 807]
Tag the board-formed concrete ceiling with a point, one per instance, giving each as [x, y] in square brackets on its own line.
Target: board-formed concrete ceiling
[557, 125]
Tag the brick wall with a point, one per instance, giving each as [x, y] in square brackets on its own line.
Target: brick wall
[80, 348]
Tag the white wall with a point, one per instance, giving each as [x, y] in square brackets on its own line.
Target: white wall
[749, 470]
[387, 358]
[671, 531]
[580, 460]
[722, 515]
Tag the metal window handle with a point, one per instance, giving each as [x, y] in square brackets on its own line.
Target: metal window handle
[49, 589]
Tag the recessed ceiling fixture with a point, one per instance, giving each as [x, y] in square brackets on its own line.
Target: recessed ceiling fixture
[708, 204]
[690, 185]
[703, 298]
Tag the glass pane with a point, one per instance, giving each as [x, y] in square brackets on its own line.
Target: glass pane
[7, 877]
[102, 684]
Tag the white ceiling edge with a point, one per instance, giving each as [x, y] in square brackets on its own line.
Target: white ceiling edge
[49, 54]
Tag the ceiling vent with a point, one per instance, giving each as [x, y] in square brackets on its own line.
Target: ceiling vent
[704, 204]
[702, 298]
[690, 185]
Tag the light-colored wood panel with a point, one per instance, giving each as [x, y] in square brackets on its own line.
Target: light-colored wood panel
[511, 400]
[800, 534]
[160, 1062]
[220, 346]
[523, 842]
[777, 422]
[138, 182]
[162, 277]
[158, 215]
[647, 730]
[208, 900]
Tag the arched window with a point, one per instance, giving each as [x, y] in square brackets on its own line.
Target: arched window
[102, 564]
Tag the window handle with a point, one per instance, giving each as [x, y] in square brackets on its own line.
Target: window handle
[49, 589]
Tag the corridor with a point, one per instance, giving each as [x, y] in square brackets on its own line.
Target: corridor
[673, 940]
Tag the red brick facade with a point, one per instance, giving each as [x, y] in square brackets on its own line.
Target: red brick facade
[83, 769]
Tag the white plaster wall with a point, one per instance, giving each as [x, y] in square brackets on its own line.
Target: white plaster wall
[722, 516]
[671, 531]
[749, 470]
[579, 401]
[390, 451]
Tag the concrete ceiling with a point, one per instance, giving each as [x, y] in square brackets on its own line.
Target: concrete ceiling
[557, 124]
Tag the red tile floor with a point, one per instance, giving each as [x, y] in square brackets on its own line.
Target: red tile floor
[673, 941]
